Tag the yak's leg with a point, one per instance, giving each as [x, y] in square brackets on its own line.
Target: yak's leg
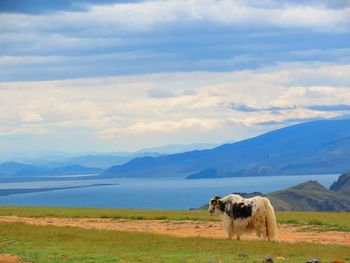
[263, 233]
[229, 230]
[263, 230]
[260, 227]
[239, 233]
[228, 226]
[258, 233]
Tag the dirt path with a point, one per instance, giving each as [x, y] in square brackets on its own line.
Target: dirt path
[8, 258]
[187, 228]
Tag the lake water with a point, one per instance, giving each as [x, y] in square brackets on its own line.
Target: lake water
[165, 193]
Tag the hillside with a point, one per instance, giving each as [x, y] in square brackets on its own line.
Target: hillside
[309, 196]
[342, 185]
[312, 147]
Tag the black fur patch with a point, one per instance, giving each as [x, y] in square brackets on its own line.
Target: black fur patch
[221, 206]
[218, 203]
[238, 210]
[215, 200]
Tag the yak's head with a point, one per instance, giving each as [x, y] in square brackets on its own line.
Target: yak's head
[215, 205]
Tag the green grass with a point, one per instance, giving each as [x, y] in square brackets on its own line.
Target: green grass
[336, 221]
[322, 221]
[53, 244]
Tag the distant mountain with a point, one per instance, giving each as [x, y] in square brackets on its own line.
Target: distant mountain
[342, 185]
[103, 161]
[20, 169]
[307, 148]
[76, 169]
[26, 170]
[94, 159]
[309, 196]
[324, 159]
[177, 148]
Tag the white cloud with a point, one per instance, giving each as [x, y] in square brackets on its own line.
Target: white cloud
[152, 13]
[295, 115]
[129, 37]
[160, 93]
[23, 130]
[120, 110]
[162, 127]
[162, 36]
[31, 117]
[149, 14]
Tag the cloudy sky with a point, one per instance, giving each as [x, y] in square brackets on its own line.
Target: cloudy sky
[79, 76]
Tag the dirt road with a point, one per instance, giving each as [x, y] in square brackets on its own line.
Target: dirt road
[8, 258]
[187, 228]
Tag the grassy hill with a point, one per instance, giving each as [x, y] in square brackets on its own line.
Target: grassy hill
[309, 196]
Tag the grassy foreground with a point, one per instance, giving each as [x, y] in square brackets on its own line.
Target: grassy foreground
[55, 244]
[328, 220]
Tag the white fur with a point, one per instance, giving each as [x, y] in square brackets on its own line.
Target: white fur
[262, 221]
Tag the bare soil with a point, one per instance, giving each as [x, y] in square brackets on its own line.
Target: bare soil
[186, 228]
[8, 258]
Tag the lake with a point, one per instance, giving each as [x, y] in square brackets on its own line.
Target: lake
[165, 193]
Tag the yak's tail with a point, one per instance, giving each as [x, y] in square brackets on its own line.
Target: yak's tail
[271, 223]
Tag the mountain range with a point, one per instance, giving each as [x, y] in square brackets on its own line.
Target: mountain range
[177, 148]
[317, 147]
[309, 148]
[101, 160]
[25, 170]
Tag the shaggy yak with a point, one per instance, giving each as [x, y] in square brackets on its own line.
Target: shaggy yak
[241, 215]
